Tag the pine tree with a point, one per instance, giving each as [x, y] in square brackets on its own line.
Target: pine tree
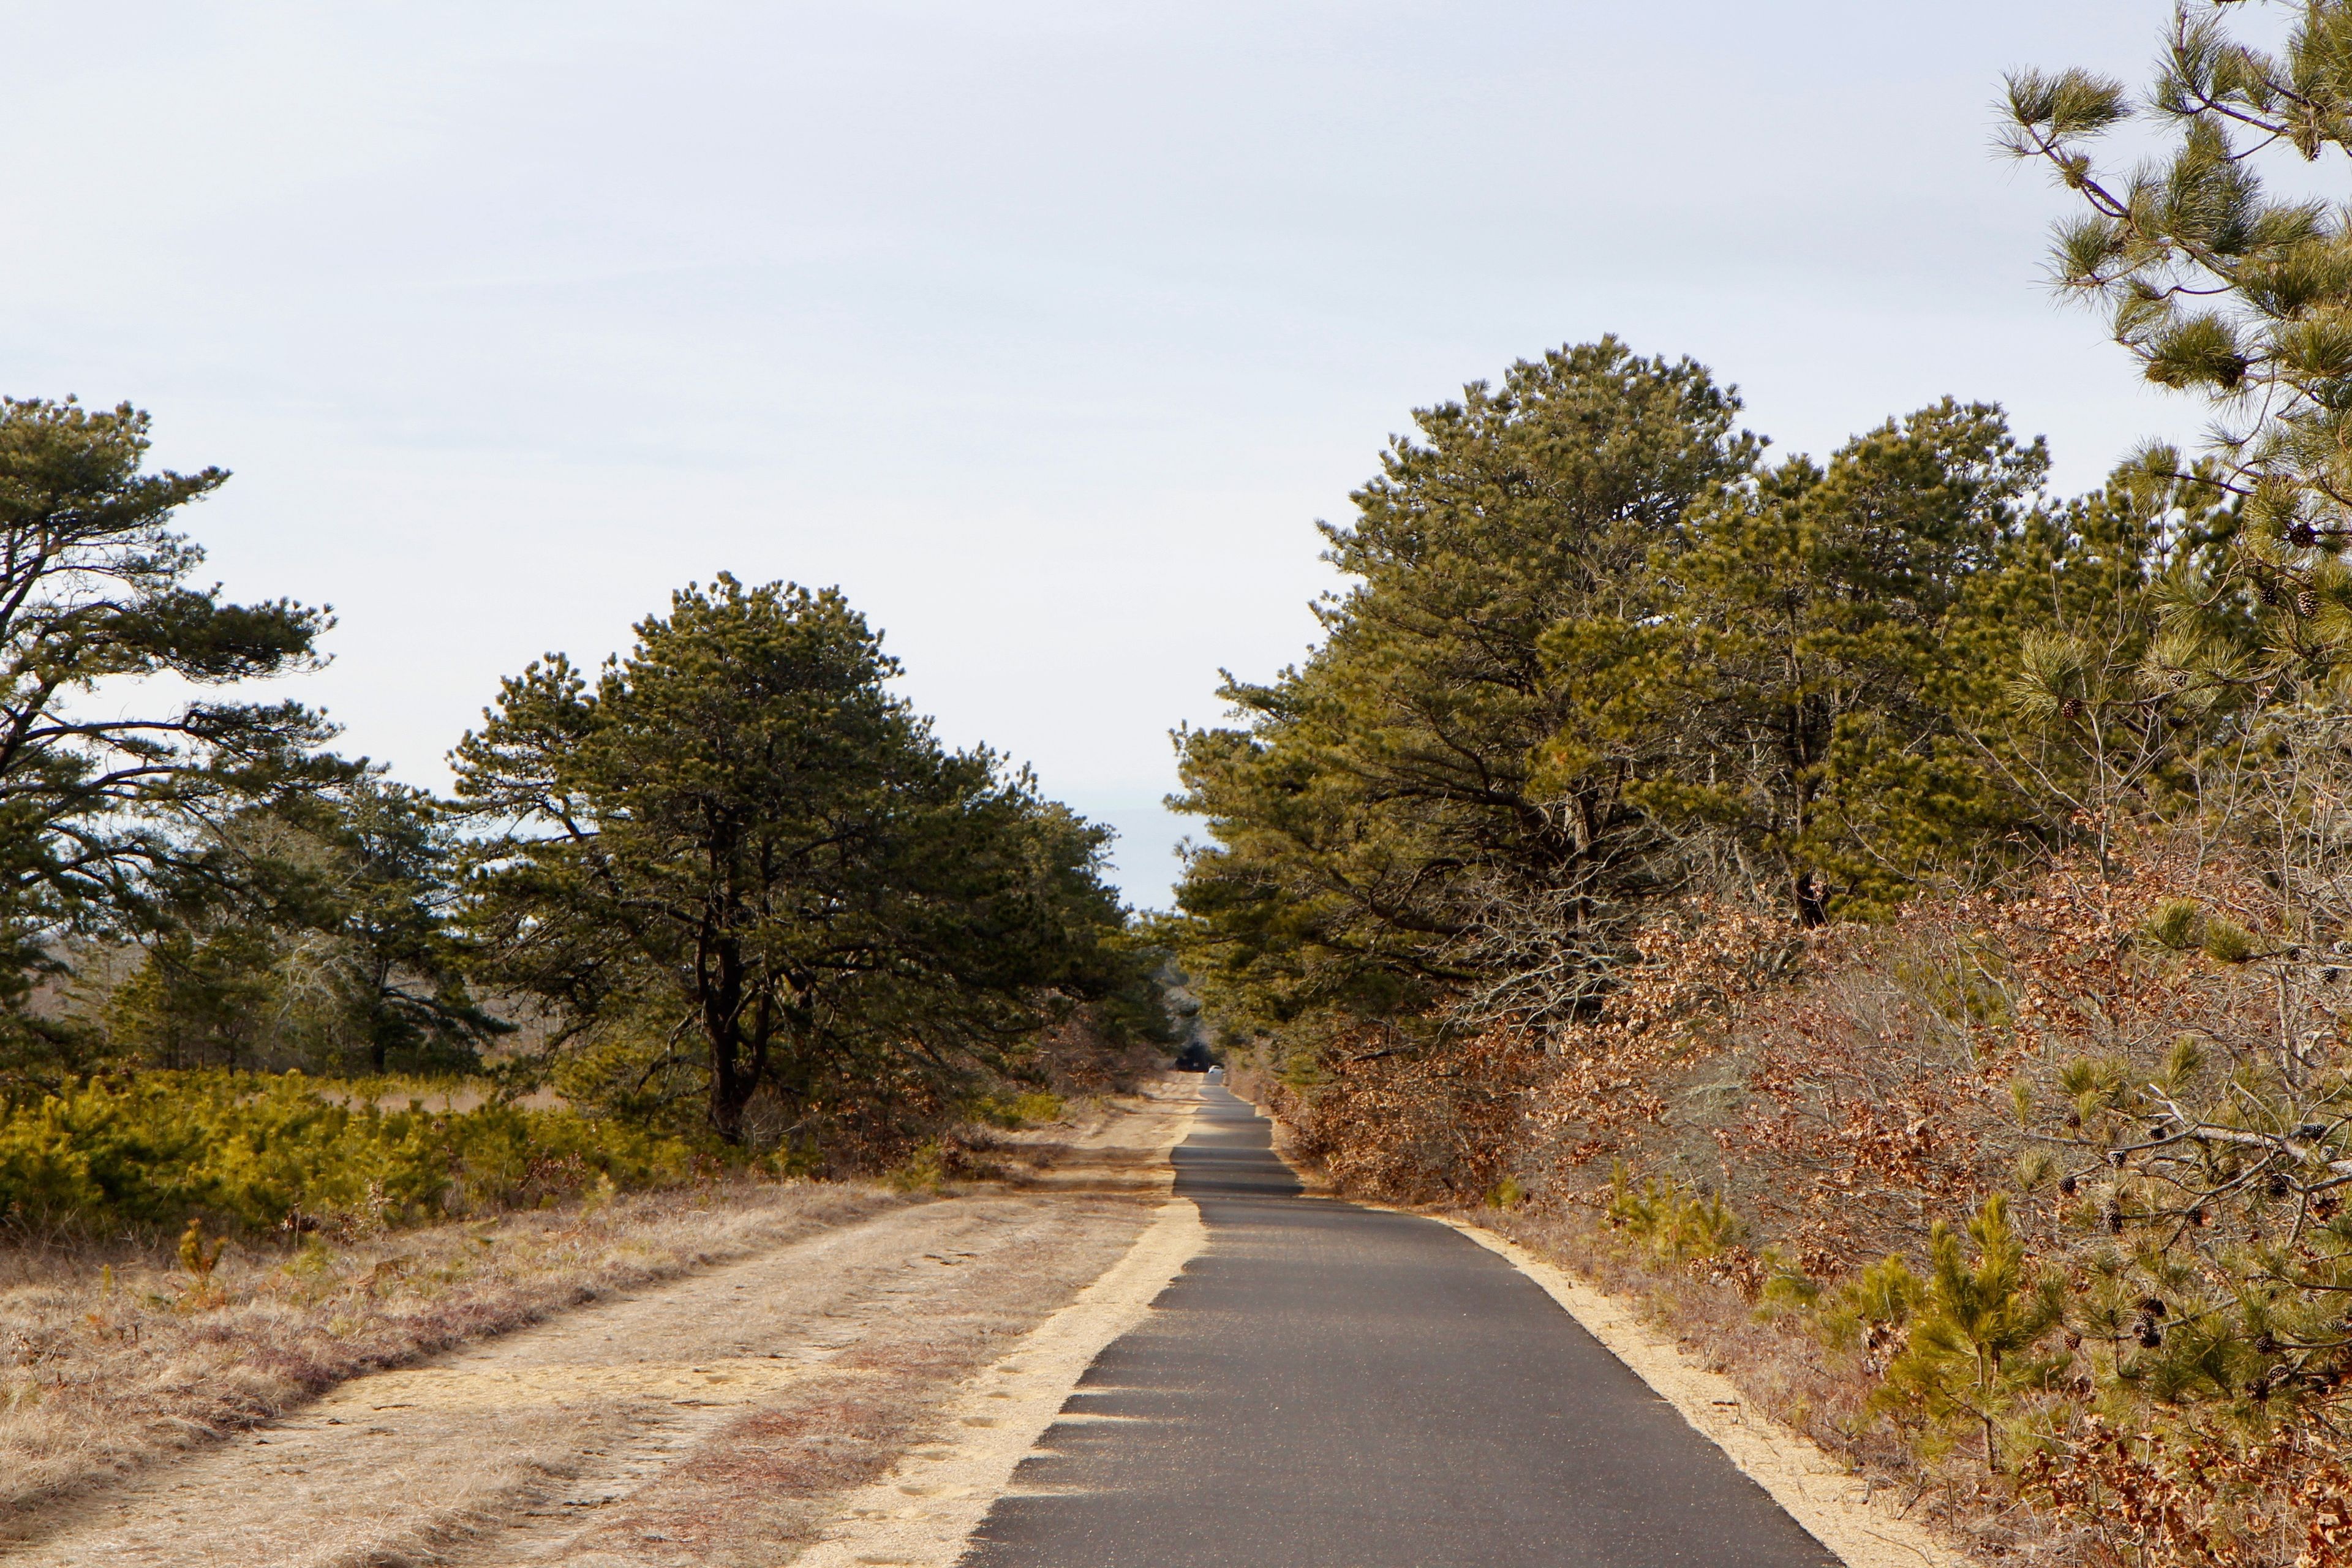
[738, 837]
[2220, 288]
[1971, 1339]
[101, 802]
[1378, 798]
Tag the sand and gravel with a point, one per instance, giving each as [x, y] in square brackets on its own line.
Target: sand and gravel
[740, 1414]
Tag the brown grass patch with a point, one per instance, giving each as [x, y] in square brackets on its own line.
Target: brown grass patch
[112, 1357]
[765, 1485]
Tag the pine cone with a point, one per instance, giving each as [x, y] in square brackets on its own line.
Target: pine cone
[2266, 591]
[2306, 604]
[2071, 710]
[2302, 535]
[2067, 1185]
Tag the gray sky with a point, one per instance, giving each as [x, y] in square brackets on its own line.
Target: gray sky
[1046, 332]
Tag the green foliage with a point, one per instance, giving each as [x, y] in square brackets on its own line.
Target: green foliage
[1594, 659]
[1967, 1358]
[1031, 1108]
[2221, 286]
[1677, 1224]
[1786, 1288]
[199, 1256]
[2185, 926]
[384, 950]
[629, 1064]
[2226, 941]
[166, 1148]
[1882, 1298]
[100, 800]
[1822, 673]
[2177, 923]
[1376, 801]
[203, 999]
[924, 1170]
[338, 957]
[740, 837]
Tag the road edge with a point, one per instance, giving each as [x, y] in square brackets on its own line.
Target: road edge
[924, 1513]
[1836, 1507]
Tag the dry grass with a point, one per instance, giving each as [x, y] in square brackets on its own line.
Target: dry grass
[113, 1357]
[764, 1486]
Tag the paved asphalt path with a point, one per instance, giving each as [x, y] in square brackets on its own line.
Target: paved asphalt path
[1329, 1386]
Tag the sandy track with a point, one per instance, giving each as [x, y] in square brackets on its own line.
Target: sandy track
[715, 1420]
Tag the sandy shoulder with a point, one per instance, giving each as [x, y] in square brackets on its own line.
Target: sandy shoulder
[737, 1415]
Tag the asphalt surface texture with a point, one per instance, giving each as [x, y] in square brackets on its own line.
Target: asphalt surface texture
[1329, 1386]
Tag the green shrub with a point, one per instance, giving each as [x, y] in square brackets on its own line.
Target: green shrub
[1975, 1325]
[1786, 1287]
[1015, 1110]
[1872, 1304]
[149, 1153]
[1678, 1224]
[924, 1171]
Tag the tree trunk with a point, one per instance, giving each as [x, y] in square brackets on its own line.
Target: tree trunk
[719, 974]
[731, 1090]
[1813, 901]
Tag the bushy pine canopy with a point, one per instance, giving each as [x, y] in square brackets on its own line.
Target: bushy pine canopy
[1595, 653]
[1376, 797]
[737, 843]
[2220, 283]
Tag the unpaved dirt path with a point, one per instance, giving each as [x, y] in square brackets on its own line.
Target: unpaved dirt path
[717, 1419]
